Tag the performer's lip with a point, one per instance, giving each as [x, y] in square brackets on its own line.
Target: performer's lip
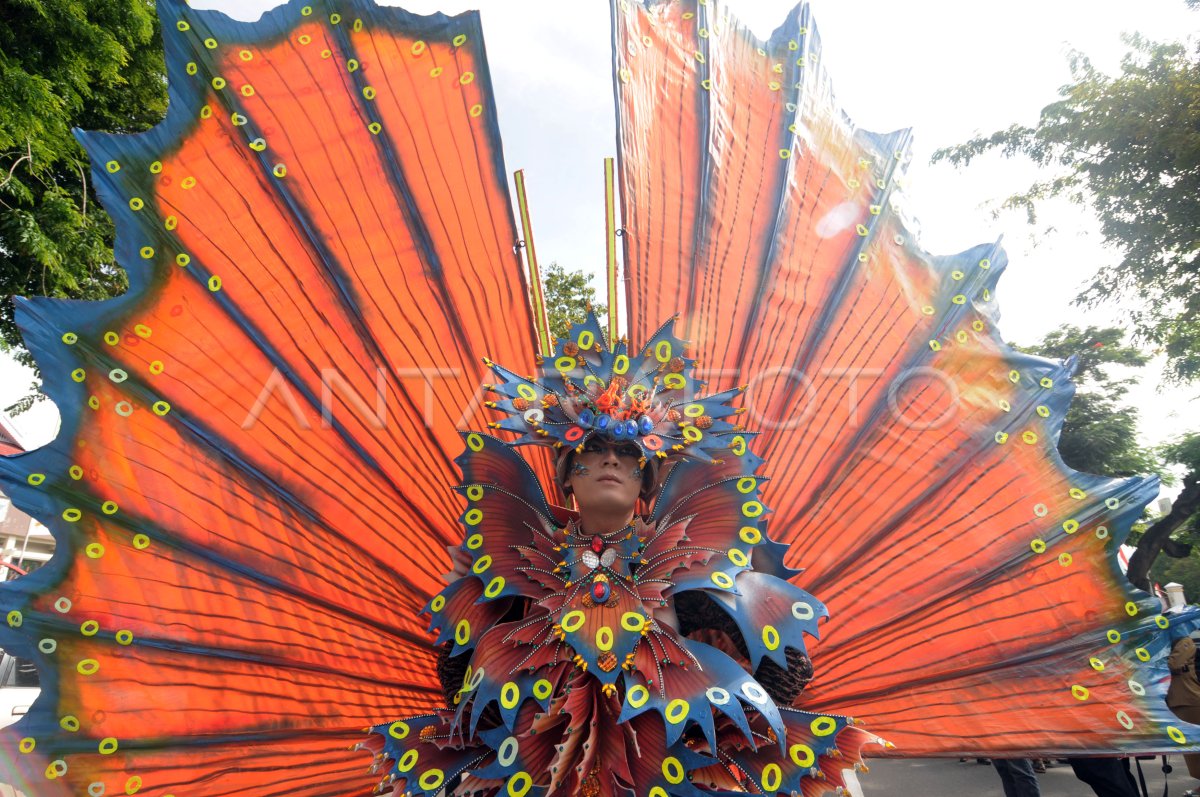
[609, 477]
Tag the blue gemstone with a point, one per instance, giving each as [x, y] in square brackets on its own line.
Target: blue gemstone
[586, 417]
[645, 425]
[602, 422]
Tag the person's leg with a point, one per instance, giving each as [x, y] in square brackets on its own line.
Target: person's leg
[1190, 714]
[1193, 767]
[1006, 779]
[1108, 777]
[1018, 777]
[1130, 781]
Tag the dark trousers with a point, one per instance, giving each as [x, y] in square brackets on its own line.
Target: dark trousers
[1017, 776]
[1108, 777]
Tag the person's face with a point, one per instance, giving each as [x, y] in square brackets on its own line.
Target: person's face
[605, 477]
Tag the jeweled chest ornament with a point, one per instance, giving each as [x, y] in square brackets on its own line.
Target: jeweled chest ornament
[600, 559]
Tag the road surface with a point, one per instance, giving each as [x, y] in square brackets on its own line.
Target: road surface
[938, 777]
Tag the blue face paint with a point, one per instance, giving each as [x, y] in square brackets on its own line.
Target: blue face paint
[579, 469]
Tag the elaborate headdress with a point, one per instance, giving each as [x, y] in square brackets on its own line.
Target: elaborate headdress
[589, 388]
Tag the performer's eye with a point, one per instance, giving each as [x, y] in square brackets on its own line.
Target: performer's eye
[593, 447]
[629, 451]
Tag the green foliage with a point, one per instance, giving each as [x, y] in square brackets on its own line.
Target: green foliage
[91, 64]
[1185, 450]
[1182, 523]
[1099, 434]
[1128, 146]
[1185, 571]
[567, 294]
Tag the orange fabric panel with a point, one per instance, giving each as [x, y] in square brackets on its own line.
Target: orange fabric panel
[970, 576]
[252, 491]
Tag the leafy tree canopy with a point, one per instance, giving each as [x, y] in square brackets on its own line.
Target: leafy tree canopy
[1129, 146]
[567, 294]
[1184, 451]
[1183, 521]
[90, 64]
[1099, 434]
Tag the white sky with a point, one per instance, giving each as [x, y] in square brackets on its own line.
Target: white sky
[946, 68]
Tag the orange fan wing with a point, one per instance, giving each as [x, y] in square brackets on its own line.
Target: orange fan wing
[970, 576]
[251, 493]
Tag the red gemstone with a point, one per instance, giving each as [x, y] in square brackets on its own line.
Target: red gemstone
[597, 544]
[599, 592]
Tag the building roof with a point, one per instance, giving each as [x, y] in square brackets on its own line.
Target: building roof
[10, 438]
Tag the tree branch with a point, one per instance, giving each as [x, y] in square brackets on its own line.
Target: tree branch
[1157, 538]
[1176, 549]
[27, 156]
[83, 180]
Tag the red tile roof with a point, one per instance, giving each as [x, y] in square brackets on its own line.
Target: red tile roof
[9, 438]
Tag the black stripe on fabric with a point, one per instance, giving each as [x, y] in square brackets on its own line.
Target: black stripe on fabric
[337, 275]
[859, 444]
[329, 542]
[203, 437]
[367, 336]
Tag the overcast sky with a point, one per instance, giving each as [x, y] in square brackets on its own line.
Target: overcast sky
[947, 69]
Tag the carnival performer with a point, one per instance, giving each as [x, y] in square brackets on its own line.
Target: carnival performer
[589, 650]
[249, 546]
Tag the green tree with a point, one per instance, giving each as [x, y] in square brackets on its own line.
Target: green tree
[1099, 434]
[1185, 571]
[90, 64]
[1128, 146]
[568, 294]
[1179, 528]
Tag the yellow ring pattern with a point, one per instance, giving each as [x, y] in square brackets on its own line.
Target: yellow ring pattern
[802, 755]
[637, 696]
[770, 637]
[677, 711]
[633, 621]
[431, 779]
[519, 784]
[510, 695]
[772, 776]
[604, 638]
[573, 621]
[823, 726]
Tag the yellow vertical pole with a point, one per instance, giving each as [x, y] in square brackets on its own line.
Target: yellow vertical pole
[541, 321]
[610, 221]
